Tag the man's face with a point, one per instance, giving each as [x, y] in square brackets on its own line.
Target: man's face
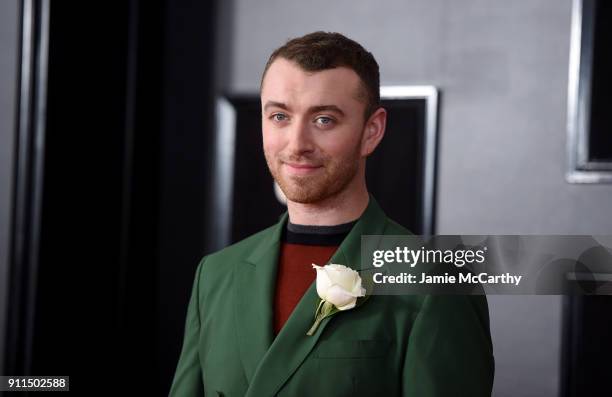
[312, 125]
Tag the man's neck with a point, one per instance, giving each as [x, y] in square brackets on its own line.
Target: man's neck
[331, 211]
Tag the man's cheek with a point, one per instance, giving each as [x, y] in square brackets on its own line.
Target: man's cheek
[270, 144]
[268, 148]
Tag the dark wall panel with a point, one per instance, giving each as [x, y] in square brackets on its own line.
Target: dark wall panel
[128, 130]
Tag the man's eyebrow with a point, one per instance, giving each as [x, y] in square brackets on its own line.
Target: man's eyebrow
[273, 104]
[312, 109]
[322, 108]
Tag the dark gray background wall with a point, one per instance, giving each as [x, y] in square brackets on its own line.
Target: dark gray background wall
[502, 68]
[9, 37]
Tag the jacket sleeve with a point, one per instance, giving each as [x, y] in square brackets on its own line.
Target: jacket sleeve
[188, 381]
[449, 350]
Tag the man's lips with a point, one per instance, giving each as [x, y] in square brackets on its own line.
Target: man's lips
[298, 168]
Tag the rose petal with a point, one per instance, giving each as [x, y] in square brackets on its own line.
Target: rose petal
[358, 290]
[349, 306]
[342, 275]
[339, 297]
[323, 281]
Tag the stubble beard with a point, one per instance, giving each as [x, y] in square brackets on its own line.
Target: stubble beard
[336, 175]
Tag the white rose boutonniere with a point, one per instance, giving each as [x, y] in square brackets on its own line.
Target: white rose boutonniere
[338, 287]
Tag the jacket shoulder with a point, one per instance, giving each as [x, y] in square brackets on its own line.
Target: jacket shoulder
[241, 249]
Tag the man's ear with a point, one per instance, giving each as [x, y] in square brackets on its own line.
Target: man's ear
[374, 130]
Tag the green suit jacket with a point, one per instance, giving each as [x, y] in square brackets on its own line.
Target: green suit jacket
[391, 345]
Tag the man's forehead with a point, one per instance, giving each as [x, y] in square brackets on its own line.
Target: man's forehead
[286, 78]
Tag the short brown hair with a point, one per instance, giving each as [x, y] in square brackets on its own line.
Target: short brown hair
[327, 50]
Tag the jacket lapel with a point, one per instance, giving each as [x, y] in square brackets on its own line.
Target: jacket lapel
[269, 363]
[254, 283]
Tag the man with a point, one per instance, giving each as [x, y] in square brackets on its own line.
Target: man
[252, 303]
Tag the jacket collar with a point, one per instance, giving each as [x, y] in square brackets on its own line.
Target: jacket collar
[372, 221]
[268, 362]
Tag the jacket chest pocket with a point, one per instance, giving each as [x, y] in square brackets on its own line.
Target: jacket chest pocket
[355, 367]
[373, 348]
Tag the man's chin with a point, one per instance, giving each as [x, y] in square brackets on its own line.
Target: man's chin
[303, 196]
[303, 199]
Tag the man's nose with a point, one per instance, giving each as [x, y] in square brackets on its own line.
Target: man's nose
[300, 138]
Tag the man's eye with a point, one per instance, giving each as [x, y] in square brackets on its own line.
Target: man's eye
[279, 117]
[324, 120]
